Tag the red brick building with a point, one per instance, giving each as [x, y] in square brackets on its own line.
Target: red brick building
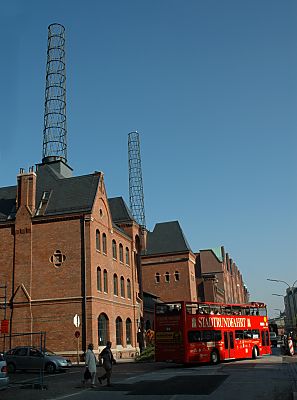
[66, 249]
[172, 271]
[218, 277]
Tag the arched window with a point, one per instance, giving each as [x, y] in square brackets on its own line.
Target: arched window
[105, 281]
[128, 331]
[97, 239]
[128, 289]
[119, 331]
[99, 281]
[103, 330]
[114, 249]
[121, 251]
[127, 256]
[122, 287]
[104, 243]
[176, 275]
[157, 277]
[115, 285]
[167, 277]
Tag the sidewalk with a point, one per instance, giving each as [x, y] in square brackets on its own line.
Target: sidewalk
[292, 369]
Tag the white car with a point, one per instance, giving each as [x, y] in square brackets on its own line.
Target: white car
[4, 379]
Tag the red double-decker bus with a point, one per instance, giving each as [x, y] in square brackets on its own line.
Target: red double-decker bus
[192, 332]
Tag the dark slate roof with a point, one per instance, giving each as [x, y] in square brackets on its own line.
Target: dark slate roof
[66, 194]
[75, 194]
[7, 202]
[119, 210]
[167, 237]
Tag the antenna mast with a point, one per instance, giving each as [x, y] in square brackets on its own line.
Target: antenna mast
[135, 179]
[55, 129]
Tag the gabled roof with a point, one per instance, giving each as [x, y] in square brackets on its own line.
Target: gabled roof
[217, 251]
[119, 210]
[64, 194]
[167, 237]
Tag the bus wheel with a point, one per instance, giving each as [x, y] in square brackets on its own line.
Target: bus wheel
[255, 352]
[214, 357]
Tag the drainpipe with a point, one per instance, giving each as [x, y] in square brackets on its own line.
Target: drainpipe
[12, 288]
[83, 284]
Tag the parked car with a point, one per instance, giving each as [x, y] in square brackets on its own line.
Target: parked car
[27, 357]
[273, 339]
[4, 379]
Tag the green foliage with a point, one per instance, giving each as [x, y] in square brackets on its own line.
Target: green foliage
[148, 354]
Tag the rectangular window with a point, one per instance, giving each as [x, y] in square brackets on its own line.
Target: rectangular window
[105, 282]
[204, 336]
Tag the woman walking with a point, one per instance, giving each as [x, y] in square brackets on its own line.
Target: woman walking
[91, 364]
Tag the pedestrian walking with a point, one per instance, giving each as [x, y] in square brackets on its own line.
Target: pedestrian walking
[91, 364]
[140, 340]
[108, 361]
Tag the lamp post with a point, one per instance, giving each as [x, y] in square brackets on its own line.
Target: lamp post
[291, 289]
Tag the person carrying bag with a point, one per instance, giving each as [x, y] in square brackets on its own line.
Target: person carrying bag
[91, 365]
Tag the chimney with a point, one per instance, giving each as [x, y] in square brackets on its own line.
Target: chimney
[26, 192]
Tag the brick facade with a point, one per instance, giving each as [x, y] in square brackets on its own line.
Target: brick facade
[222, 280]
[51, 264]
[55, 264]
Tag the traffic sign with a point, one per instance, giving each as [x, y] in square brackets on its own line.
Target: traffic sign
[4, 326]
[76, 321]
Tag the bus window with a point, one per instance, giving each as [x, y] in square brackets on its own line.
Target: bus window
[238, 335]
[247, 334]
[236, 310]
[167, 309]
[217, 336]
[214, 309]
[192, 308]
[176, 309]
[203, 309]
[194, 336]
[263, 312]
[204, 336]
[255, 334]
[207, 336]
[161, 309]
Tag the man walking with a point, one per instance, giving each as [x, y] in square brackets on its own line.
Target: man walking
[108, 360]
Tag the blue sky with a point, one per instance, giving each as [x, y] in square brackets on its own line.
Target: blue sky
[212, 88]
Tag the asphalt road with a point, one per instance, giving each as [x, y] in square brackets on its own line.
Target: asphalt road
[269, 378]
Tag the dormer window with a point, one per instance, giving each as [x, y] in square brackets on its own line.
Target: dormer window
[43, 203]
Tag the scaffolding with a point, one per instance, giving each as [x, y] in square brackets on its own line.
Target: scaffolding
[55, 129]
[135, 179]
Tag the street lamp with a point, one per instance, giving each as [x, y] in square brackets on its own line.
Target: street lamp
[293, 311]
[278, 280]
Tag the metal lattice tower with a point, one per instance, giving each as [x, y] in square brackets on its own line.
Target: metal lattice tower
[55, 129]
[135, 179]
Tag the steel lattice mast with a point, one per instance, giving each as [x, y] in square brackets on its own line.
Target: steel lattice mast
[55, 129]
[135, 179]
